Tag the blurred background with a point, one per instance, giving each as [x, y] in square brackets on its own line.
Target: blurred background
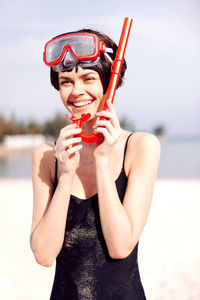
[160, 95]
[162, 83]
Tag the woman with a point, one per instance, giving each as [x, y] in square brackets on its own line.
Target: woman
[91, 200]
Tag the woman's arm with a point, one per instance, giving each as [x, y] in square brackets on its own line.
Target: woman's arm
[50, 210]
[49, 213]
[122, 224]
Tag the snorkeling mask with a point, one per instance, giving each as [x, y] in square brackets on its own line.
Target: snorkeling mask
[66, 51]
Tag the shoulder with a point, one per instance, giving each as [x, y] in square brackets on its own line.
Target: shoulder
[46, 150]
[143, 141]
[44, 158]
[142, 145]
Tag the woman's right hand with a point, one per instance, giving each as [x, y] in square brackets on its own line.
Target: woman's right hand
[67, 149]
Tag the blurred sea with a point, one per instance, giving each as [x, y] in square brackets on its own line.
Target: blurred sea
[179, 159]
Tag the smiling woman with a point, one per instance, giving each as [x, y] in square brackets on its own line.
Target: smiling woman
[91, 200]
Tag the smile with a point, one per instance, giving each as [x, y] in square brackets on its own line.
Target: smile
[80, 104]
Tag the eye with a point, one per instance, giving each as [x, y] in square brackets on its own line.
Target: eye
[65, 82]
[88, 79]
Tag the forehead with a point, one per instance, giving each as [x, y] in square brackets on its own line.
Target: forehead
[78, 73]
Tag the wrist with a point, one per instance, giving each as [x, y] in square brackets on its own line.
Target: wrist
[65, 184]
[101, 161]
[66, 178]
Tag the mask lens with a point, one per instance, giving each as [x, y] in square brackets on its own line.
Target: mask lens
[81, 45]
[54, 50]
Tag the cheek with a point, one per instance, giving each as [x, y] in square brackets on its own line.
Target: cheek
[98, 90]
[64, 95]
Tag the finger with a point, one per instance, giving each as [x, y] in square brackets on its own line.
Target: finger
[105, 113]
[69, 126]
[107, 124]
[110, 106]
[68, 132]
[104, 131]
[62, 144]
[68, 143]
[109, 115]
[74, 149]
[112, 109]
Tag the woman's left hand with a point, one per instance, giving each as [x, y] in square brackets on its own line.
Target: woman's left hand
[109, 128]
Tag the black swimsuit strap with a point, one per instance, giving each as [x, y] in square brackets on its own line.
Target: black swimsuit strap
[56, 170]
[125, 148]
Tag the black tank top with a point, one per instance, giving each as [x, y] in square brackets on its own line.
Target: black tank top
[84, 269]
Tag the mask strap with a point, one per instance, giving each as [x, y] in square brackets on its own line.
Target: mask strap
[109, 50]
[108, 57]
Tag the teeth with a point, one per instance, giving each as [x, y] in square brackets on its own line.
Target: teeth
[82, 103]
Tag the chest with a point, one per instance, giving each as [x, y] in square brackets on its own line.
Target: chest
[84, 184]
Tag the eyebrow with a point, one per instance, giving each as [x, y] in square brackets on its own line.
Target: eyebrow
[63, 77]
[84, 75]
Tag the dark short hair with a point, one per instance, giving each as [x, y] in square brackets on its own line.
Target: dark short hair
[103, 68]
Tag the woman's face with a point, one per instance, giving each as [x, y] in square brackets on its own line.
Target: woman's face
[81, 91]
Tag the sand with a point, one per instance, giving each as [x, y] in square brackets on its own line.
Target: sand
[169, 250]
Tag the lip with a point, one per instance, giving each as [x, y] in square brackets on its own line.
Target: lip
[80, 108]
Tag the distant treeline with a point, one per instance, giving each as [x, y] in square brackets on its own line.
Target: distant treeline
[48, 128]
[51, 127]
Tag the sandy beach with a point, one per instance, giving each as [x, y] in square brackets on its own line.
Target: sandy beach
[169, 251]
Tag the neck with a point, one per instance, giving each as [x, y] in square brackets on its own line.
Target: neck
[88, 129]
[88, 126]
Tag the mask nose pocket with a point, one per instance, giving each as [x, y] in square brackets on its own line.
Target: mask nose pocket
[69, 60]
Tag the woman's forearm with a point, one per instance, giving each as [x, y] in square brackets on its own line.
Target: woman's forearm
[116, 226]
[47, 237]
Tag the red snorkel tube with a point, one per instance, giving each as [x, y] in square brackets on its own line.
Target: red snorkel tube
[115, 73]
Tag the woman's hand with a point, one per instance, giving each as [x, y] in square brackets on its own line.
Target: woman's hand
[67, 149]
[109, 128]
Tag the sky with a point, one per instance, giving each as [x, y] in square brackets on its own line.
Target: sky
[162, 82]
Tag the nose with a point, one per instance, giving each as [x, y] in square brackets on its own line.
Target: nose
[78, 88]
